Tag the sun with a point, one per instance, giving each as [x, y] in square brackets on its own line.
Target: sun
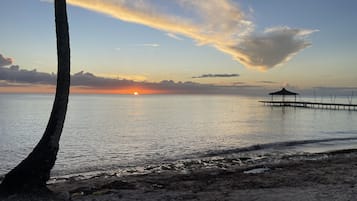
[135, 93]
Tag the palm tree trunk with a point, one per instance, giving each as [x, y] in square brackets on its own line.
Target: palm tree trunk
[34, 171]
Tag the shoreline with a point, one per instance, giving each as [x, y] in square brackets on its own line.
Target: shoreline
[244, 156]
[321, 176]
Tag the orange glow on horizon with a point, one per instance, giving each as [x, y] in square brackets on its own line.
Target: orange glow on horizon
[124, 91]
[28, 89]
[83, 90]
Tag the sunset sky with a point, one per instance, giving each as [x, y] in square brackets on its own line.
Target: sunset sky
[183, 46]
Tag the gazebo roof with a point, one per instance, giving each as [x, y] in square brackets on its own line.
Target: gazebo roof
[284, 92]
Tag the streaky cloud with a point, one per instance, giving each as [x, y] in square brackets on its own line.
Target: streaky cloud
[219, 23]
[216, 75]
[267, 82]
[238, 83]
[148, 45]
[174, 36]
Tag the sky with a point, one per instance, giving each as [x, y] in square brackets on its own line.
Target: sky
[182, 46]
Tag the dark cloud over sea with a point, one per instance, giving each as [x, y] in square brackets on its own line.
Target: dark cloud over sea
[216, 75]
[12, 75]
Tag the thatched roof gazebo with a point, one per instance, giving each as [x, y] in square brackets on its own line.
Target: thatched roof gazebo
[283, 92]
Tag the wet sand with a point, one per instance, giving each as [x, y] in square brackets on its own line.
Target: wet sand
[323, 176]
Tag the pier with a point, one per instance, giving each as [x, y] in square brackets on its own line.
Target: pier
[317, 105]
[305, 104]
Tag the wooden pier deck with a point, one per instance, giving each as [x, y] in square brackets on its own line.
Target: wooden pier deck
[317, 105]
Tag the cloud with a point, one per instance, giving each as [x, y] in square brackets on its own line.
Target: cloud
[273, 47]
[174, 36]
[216, 75]
[87, 79]
[238, 83]
[267, 82]
[148, 45]
[17, 75]
[5, 61]
[219, 23]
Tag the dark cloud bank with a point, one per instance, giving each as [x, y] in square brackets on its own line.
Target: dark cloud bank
[13, 75]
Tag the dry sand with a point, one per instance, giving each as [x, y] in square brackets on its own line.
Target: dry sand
[324, 176]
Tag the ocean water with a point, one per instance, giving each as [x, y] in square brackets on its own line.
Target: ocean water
[105, 132]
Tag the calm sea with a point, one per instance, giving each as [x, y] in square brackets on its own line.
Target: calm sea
[113, 131]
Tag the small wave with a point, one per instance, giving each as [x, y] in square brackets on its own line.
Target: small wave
[275, 145]
[341, 132]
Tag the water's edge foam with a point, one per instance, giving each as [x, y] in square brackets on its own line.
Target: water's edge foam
[250, 155]
[275, 145]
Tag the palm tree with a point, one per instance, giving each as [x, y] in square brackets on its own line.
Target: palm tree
[34, 171]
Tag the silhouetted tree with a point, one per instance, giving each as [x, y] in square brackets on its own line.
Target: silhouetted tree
[34, 171]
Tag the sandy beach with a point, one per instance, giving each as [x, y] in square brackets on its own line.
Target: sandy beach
[321, 176]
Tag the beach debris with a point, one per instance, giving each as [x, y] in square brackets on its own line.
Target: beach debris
[77, 194]
[158, 186]
[131, 170]
[256, 170]
[168, 167]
